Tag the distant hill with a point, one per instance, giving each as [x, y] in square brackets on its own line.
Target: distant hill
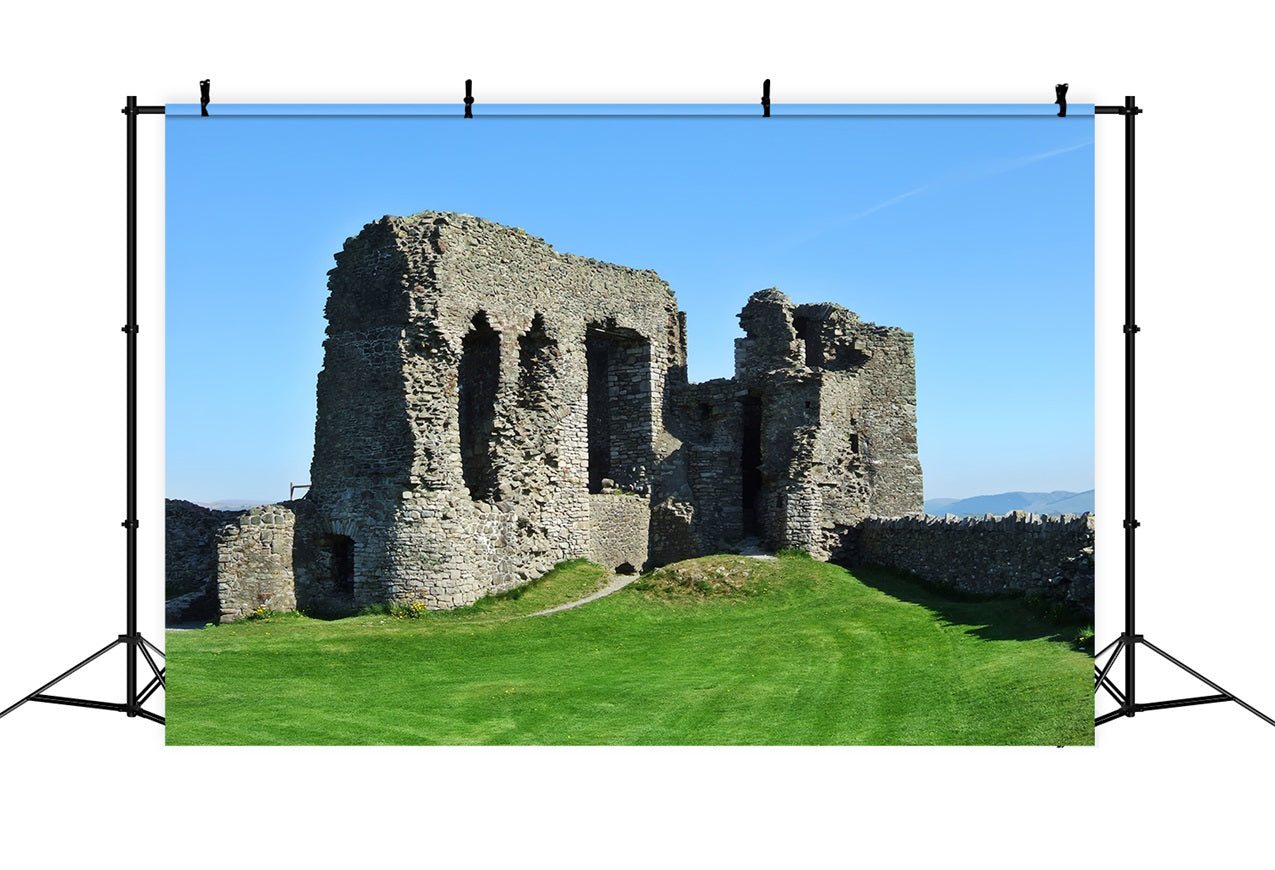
[1057, 502]
[233, 504]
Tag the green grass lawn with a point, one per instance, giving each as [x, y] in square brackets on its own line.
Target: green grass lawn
[720, 650]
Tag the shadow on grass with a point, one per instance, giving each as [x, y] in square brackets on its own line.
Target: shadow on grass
[990, 617]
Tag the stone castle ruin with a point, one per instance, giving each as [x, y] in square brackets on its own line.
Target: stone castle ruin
[489, 407]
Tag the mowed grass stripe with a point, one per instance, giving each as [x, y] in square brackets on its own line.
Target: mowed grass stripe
[800, 653]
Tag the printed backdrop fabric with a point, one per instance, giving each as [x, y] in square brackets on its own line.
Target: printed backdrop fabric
[808, 399]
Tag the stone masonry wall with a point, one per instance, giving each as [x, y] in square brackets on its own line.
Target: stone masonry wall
[190, 560]
[1019, 553]
[700, 504]
[868, 416]
[254, 562]
[862, 457]
[619, 531]
[836, 401]
[388, 471]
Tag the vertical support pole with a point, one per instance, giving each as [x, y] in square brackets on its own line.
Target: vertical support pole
[1130, 329]
[132, 640]
[130, 330]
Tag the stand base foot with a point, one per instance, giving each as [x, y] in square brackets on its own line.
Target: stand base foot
[136, 646]
[1129, 707]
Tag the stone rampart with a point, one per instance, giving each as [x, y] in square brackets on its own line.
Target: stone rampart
[1020, 553]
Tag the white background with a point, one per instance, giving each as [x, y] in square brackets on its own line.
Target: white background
[1183, 788]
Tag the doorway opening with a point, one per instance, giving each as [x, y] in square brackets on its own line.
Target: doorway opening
[338, 560]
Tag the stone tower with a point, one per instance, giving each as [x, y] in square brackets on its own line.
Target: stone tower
[816, 431]
[478, 390]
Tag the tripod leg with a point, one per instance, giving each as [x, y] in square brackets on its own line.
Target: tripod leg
[1099, 653]
[1101, 681]
[62, 676]
[155, 684]
[1205, 680]
[159, 652]
[154, 717]
[148, 690]
[1102, 676]
[159, 674]
[1112, 691]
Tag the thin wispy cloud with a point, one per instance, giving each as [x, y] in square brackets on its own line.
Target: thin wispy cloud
[796, 241]
[894, 200]
[1019, 162]
[954, 179]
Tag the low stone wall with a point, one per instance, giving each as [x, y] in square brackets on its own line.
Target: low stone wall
[254, 562]
[190, 560]
[190, 546]
[620, 529]
[1019, 553]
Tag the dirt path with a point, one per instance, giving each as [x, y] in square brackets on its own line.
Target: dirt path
[616, 583]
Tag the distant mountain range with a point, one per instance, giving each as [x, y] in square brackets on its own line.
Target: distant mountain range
[233, 504]
[1057, 502]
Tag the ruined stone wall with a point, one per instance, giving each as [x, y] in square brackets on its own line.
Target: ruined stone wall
[699, 508]
[875, 393]
[770, 341]
[788, 503]
[364, 438]
[254, 563]
[389, 473]
[1019, 553]
[221, 565]
[777, 401]
[190, 560]
[834, 399]
[619, 536]
[863, 457]
[620, 419]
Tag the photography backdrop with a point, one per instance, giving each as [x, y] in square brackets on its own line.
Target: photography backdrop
[970, 227]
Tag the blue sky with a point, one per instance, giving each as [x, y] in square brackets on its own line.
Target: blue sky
[972, 231]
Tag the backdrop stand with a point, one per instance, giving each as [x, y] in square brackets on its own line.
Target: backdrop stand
[134, 644]
[1129, 640]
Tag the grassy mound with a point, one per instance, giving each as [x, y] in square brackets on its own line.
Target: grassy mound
[710, 576]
